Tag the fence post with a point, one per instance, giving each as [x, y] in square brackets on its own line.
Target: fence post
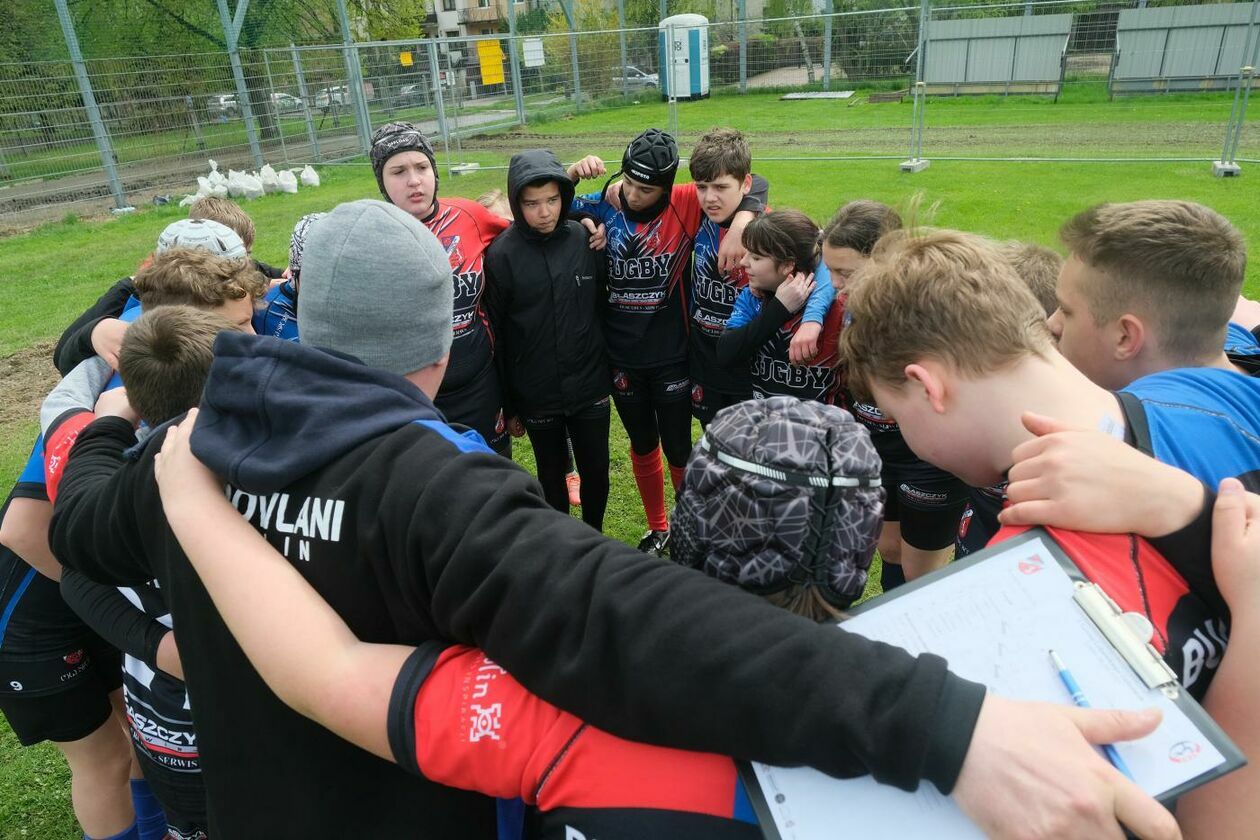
[354, 75]
[1227, 166]
[438, 104]
[93, 110]
[664, 9]
[193, 121]
[743, 45]
[567, 6]
[621, 39]
[674, 127]
[916, 163]
[311, 134]
[514, 62]
[231, 33]
[275, 108]
[828, 10]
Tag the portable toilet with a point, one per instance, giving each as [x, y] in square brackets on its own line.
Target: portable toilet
[684, 57]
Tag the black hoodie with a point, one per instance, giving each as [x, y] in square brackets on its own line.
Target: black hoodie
[543, 296]
[415, 536]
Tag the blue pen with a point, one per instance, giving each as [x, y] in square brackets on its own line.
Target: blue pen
[1078, 697]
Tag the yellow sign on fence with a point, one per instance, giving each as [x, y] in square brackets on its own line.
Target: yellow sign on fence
[404, 58]
[490, 55]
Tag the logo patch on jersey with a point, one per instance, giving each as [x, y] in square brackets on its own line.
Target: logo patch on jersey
[964, 524]
[74, 657]
[450, 244]
[620, 382]
[697, 394]
[485, 722]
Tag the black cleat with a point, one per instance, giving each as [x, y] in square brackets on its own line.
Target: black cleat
[655, 542]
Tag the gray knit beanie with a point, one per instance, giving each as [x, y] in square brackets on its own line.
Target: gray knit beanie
[376, 284]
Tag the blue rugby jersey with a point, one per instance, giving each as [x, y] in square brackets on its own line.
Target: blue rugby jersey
[712, 303]
[33, 617]
[645, 319]
[1205, 421]
[278, 315]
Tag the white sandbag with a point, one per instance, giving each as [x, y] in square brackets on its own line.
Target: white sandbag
[310, 178]
[219, 191]
[270, 181]
[214, 164]
[252, 185]
[204, 187]
[217, 179]
[188, 200]
[235, 183]
[287, 182]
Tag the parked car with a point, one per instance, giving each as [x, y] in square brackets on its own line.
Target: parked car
[332, 95]
[222, 107]
[415, 94]
[632, 78]
[286, 103]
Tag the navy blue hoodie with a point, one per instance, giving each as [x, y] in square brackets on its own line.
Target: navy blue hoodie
[416, 536]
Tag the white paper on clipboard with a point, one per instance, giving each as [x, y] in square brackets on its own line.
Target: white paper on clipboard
[995, 623]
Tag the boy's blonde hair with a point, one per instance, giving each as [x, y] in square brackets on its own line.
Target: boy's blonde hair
[721, 151]
[165, 359]
[227, 213]
[1177, 262]
[496, 202]
[195, 277]
[1039, 267]
[945, 295]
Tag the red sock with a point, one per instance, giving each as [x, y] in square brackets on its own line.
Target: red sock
[650, 477]
[676, 475]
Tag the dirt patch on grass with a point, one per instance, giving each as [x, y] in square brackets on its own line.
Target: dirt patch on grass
[25, 379]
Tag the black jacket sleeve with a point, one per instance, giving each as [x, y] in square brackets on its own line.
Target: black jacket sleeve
[110, 614]
[94, 528]
[1189, 551]
[75, 343]
[268, 271]
[737, 346]
[597, 628]
[496, 301]
[758, 197]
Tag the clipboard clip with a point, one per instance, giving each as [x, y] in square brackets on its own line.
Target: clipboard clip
[1112, 622]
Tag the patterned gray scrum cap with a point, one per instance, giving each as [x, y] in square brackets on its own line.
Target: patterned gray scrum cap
[780, 492]
[297, 245]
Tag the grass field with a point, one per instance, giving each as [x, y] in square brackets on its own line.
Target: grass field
[52, 273]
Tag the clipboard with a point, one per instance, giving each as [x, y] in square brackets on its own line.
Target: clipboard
[978, 600]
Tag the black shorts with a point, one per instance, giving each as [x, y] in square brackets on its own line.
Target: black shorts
[707, 402]
[597, 410]
[59, 694]
[928, 504]
[664, 384]
[478, 404]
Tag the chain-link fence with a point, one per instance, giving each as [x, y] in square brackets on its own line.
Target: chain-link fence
[990, 81]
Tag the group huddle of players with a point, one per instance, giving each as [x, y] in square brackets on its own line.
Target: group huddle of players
[671, 302]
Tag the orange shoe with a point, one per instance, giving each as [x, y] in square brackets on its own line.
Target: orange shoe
[574, 483]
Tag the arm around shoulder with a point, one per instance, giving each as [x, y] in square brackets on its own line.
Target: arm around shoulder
[595, 627]
[95, 527]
